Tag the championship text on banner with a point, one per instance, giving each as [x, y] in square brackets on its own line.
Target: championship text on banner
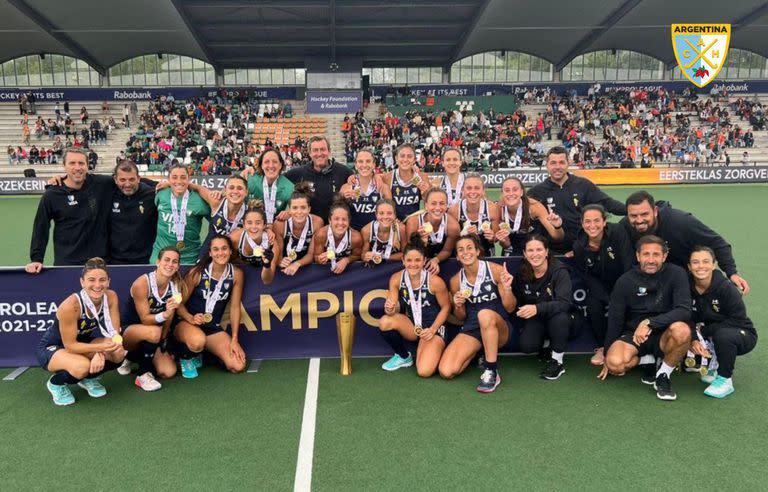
[494, 179]
[334, 101]
[294, 317]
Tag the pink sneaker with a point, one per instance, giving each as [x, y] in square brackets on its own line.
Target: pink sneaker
[599, 358]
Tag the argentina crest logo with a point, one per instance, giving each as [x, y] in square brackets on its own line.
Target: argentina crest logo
[700, 50]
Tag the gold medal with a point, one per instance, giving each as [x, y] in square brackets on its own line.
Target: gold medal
[258, 251]
[504, 226]
[376, 258]
[418, 330]
[485, 226]
[330, 254]
[117, 339]
[177, 297]
[428, 227]
[180, 245]
[358, 193]
[466, 293]
[292, 255]
[207, 317]
[416, 180]
[703, 370]
[690, 362]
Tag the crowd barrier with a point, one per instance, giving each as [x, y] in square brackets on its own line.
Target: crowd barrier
[294, 317]
[529, 177]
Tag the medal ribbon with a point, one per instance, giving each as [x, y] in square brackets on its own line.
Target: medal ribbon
[179, 216]
[107, 329]
[388, 250]
[238, 218]
[302, 237]
[415, 302]
[213, 298]
[453, 198]
[331, 242]
[478, 280]
[270, 194]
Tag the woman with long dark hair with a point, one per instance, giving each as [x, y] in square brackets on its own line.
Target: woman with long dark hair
[417, 306]
[386, 236]
[253, 242]
[542, 287]
[520, 216]
[363, 190]
[337, 243]
[212, 283]
[270, 186]
[298, 231]
[438, 230]
[476, 215]
[407, 182]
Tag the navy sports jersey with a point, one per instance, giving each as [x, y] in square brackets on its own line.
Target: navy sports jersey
[455, 195]
[87, 328]
[429, 306]
[347, 251]
[220, 224]
[407, 196]
[517, 238]
[482, 216]
[205, 287]
[129, 315]
[256, 261]
[433, 247]
[363, 209]
[291, 239]
[380, 246]
[488, 297]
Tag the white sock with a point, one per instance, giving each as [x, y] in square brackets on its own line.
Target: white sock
[665, 369]
[648, 359]
[558, 356]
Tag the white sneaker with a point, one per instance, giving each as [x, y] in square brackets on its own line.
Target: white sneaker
[125, 368]
[147, 382]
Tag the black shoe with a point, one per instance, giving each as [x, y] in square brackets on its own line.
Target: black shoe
[553, 370]
[545, 354]
[649, 374]
[663, 387]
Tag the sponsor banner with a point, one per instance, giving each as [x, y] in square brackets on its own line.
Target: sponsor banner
[140, 93]
[494, 179]
[581, 88]
[334, 101]
[294, 317]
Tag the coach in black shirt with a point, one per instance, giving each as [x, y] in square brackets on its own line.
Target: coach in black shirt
[565, 195]
[133, 217]
[80, 220]
[327, 177]
[682, 232]
[648, 314]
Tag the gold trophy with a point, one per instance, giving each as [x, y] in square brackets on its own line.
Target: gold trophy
[345, 330]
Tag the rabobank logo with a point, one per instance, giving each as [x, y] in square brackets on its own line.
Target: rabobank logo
[132, 95]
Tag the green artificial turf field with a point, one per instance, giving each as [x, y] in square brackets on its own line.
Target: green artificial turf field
[390, 431]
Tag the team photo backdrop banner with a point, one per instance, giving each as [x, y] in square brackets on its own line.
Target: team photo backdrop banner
[294, 317]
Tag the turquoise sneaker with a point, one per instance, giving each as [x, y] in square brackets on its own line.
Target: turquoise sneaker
[94, 388]
[396, 362]
[188, 368]
[709, 377]
[198, 360]
[62, 396]
[720, 387]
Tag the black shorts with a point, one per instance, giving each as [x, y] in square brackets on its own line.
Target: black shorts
[45, 354]
[212, 329]
[651, 346]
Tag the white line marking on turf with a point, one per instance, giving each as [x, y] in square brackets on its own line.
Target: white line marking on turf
[16, 373]
[254, 365]
[303, 479]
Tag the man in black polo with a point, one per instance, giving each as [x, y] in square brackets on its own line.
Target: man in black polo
[565, 195]
[133, 217]
[682, 232]
[648, 314]
[80, 220]
[327, 177]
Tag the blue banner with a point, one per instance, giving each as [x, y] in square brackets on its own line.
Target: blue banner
[141, 93]
[294, 317]
[331, 102]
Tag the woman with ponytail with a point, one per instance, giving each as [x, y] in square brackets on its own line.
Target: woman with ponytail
[148, 315]
[298, 231]
[416, 309]
[337, 243]
[437, 229]
[386, 235]
[253, 242]
[212, 284]
[84, 341]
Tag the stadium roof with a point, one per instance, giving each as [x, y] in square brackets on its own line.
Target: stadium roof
[275, 33]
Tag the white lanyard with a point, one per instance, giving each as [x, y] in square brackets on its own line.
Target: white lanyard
[107, 329]
[400, 181]
[213, 298]
[302, 237]
[264, 242]
[478, 280]
[453, 198]
[155, 291]
[270, 194]
[371, 187]
[518, 216]
[337, 249]
[414, 301]
[388, 249]
[179, 216]
[436, 237]
[238, 218]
